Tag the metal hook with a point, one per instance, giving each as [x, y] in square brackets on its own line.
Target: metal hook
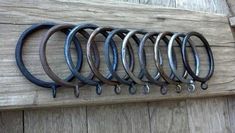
[98, 89]
[54, 91]
[178, 88]
[146, 89]
[76, 91]
[132, 89]
[204, 85]
[117, 89]
[163, 90]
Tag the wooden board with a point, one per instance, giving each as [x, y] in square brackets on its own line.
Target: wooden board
[17, 92]
[58, 120]
[11, 122]
[169, 116]
[120, 118]
[209, 6]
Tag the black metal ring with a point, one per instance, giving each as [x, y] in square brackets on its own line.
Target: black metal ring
[126, 79]
[87, 80]
[183, 79]
[203, 80]
[19, 59]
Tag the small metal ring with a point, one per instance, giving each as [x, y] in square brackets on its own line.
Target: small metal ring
[163, 89]
[146, 89]
[117, 89]
[132, 89]
[98, 89]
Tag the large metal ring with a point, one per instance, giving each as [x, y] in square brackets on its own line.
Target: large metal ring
[80, 28]
[104, 79]
[20, 63]
[183, 78]
[44, 62]
[203, 80]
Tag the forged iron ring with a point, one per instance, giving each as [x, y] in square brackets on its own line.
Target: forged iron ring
[168, 79]
[86, 80]
[103, 79]
[151, 79]
[20, 62]
[136, 80]
[191, 86]
[44, 62]
[203, 80]
[125, 79]
[111, 51]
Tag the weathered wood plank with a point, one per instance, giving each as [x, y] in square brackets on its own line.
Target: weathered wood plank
[123, 118]
[11, 121]
[22, 93]
[231, 108]
[56, 120]
[168, 117]
[159, 3]
[210, 6]
[208, 115]
[231, 5]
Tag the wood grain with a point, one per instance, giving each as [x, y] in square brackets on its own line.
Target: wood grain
[55, 120]
[168, 117]
[123, 118]
[11, 121]
[22, 94]
[210, 6]
[231, 108]
[208, 115]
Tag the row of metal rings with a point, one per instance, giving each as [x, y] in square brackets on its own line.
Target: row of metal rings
[96, 78]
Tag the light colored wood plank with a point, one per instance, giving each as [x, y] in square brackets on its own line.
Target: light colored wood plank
[211, 6]
[232, 21]
[231, 108]
[208, 115]
[120, 118]
[231, 5]
[56, 120]
[168, 117]
[11, 121]
[160, 3]
[22, 93]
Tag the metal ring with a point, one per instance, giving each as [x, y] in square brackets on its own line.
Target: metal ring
[120, 33]
[203, 80]
[183, 79]
[43, 58]
[87, 80]
[124, 61]
[103, 79]
[137, 80]
[126, 79]
[20, 62]
[168, 79]
[143, 66]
